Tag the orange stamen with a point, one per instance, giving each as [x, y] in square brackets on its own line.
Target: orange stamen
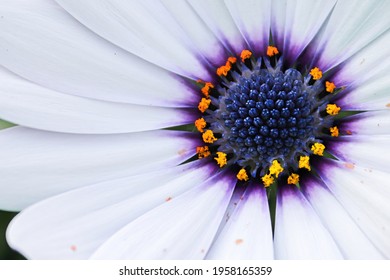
[206, 89]
[316, 73]
[204, 104]
[203, 152]
[330, 87]
[271, 51]
[200, 124]
[245, 54]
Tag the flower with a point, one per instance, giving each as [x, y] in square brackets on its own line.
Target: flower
[92, 85]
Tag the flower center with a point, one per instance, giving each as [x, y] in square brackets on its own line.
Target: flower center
[263, 121]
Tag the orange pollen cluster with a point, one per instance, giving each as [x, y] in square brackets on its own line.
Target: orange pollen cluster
[200, 124]
[334, 131]
[208, 137]
[245, 54]
[271, 51]
[316, 73]
[330, 87]
[204, 104]
[224, 70]
[203, 152]
[206, 89]
[332, 109]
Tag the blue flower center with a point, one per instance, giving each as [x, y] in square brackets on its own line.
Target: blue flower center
[266, 121]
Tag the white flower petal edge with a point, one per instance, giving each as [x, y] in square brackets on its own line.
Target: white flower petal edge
[340, 225]
[248, 232]
[295, 23]
[351, 27]
[144, 28]
[364, 194]
[74, 224]
[253, 19]
[368, 123]
[365, 76]
[51, 163]
[218, 18]
[369, 151]
[299, 232]
[54, 50]
[31, 105]
[184, 228]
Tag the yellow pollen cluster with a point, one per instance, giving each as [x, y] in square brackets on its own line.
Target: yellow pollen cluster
[208, 137]
[318, 149]
[200, 124]
[304, 162]
[316, 73]
[268, 180]
[245, 54]
[204, 104]
[221, 159]
[242, 175]
[206, 89]
[293, 179]
[271, 51]
[334, 131]
[332, 109]
[330, 87]
[203, 152]
[275, 168]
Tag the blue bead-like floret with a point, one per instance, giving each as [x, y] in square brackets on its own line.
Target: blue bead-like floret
[268, 114]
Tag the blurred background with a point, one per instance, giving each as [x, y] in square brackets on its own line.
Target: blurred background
[5, 251]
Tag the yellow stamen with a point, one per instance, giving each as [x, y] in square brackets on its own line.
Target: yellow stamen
[206, 89]
[221, 159]
[293, 179]
[245, 54]
[334, 131]
[267, 180]
[203, 152]
[318, 149]
[232, 60]
[208, 137]
[204, 104]
[316, 73]
[271, 51]
[242, 175]
[332, 109]
[330, 87]
[275, 168]
[304, 162]
[200, 124]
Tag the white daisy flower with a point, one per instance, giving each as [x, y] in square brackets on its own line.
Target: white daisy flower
[289, 101]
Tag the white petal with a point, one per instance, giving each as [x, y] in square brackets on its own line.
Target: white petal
[218, 18]
[370, 151]
[365, 195]
[36, 164]
[368, 123]
[248, 231]
[74, 224]
[30, 105]
[144, 28]
[299, 232]
[351, 27]
[253, 20]
[353, 243]
[365, 76]
[181, 229]
[44, 44]
[295, 23]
